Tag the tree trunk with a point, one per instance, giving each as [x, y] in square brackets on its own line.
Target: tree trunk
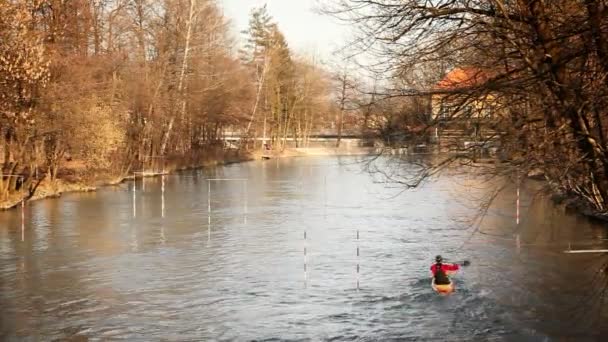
[182, 76]
[258, 93]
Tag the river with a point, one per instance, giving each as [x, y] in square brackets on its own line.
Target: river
[84, 267]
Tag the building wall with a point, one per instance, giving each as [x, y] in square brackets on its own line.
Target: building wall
[450, 106]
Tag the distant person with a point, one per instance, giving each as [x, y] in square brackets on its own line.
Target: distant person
[439, 270]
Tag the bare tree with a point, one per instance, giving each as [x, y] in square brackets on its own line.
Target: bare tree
[535, 80]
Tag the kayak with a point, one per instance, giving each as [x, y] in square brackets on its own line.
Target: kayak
[443, 289]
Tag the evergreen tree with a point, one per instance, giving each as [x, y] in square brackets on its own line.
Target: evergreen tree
[257, 36]
[266, 52]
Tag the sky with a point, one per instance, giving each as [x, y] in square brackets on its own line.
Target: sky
[306, 32]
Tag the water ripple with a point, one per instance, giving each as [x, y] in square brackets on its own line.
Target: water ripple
[88, 269]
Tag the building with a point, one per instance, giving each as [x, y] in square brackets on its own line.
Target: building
[463, 110]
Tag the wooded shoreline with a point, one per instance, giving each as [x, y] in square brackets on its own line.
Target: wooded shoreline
[94, 182]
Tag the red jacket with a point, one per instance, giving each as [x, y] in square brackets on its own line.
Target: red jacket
[445, 267]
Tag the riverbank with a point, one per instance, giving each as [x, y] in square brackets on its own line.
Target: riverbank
[315, 151]
[574, 205]
[570, 202]
[71, 181]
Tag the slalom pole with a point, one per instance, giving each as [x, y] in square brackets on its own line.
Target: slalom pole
[22, 219]
[305, 261]
[358, 263]
[162, 194]
[208, 210]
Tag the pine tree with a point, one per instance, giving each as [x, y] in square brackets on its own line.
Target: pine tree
[267, 54]
[257, 36]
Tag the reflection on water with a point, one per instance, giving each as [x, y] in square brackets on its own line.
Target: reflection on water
[87, 267]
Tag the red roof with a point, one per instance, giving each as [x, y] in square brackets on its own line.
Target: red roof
[462, 78]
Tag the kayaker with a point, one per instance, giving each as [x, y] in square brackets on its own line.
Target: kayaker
[439, 270]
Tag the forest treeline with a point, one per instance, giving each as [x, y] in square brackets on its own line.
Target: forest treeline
[91, 87]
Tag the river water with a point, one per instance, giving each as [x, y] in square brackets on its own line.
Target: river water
[85, 268]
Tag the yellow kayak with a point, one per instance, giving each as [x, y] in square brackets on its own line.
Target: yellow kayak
[443, 289]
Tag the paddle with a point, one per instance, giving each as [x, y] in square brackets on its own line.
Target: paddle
[463, 263]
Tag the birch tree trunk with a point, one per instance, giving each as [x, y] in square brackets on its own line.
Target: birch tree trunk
[258, 93]
[182, 76]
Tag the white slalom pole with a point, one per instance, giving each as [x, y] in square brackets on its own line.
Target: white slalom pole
[517, 202]
[245, 185]
[163, 239]
[517, 213]
[358, 268]
[22, 219]
[245, 190]
[162, 195]
[325, 196]
[305, 262]
[208, 210]
[582, 251]
[134, 196]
